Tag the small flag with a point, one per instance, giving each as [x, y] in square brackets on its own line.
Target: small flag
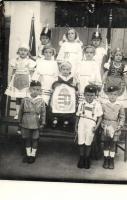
[32, 42]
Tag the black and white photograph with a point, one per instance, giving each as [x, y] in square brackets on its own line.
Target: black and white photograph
[63, 91]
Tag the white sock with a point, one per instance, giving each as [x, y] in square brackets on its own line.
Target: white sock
[112, 154]
[28, 151]
[33, 152]
[106, 153]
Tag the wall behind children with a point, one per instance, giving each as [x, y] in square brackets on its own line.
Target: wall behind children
[21, 13]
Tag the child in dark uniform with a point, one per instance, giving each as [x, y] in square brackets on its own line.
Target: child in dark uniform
[32, 119]
[45, 38]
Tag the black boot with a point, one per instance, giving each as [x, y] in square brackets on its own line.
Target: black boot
[31, 159]
[111, 163]
[81, 162]
[87, 163]
[25, 159]
[106, 163]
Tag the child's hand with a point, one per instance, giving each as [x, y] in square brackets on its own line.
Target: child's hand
[94, 129]
[41, 126]
[41, 129]
[118, 128]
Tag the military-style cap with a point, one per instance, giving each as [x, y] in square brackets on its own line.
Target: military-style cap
[46, 31]
[91, 89]
[112, 89]
[96, 35]
[35, 83]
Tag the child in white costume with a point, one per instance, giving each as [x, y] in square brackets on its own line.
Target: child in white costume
[100, 52]
[88, 120]
[88, 71]
[46, 72]
[70, 48]
[23, 68]
[63, 101]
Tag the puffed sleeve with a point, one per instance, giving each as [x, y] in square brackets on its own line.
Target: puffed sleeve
[32, 65]
[99, 111]
[60, 56]
[106, 66]
[36, 73]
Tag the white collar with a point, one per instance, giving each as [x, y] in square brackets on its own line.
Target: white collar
[65, 78]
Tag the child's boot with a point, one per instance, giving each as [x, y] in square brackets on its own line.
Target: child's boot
[33, 156]
[106, 163]
[87, 156]
[87, 163]
[81, 162]
[27, 156]
[111, 163]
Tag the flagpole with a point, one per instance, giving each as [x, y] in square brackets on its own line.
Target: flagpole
[32, 42]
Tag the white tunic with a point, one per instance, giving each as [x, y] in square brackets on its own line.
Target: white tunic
[72, 52]
[46, 72]
[88, 72]
[99, 54]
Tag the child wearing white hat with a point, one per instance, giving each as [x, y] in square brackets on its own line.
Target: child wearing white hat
[100, 51]
[22, 69]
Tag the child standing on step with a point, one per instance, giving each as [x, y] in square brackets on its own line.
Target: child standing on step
[112, 122]
[115, 75]
[46, 72]
[89, 117]
[100, 53]
[88, 71]
[45, 39]
[23, 68]
[70, 49]
[32, 116]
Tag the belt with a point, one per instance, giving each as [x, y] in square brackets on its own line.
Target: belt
[31, 113]
[88, 118]
[110, 120]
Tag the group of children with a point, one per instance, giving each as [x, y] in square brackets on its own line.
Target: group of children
[97, 95]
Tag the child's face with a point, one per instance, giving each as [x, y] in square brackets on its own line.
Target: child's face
[23, 52]
[71, 35]
[118, 57]
[89, 97]
[48, 54]
[96, 42]
[65, 70]
[112, 96]
[35, 91]
[89, 53]
[44, 40]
